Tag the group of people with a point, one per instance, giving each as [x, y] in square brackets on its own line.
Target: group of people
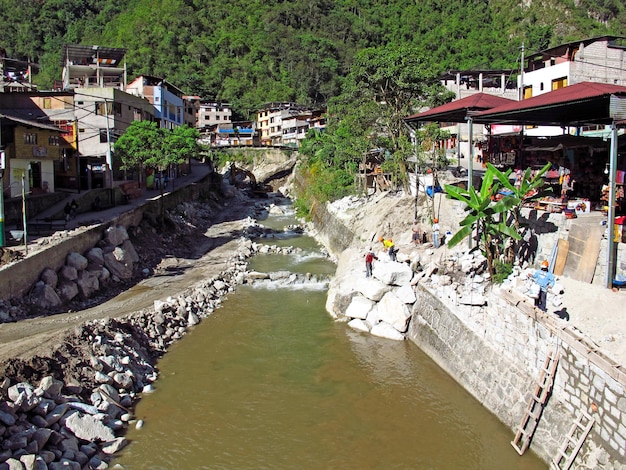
[389, 247]
[70, 209]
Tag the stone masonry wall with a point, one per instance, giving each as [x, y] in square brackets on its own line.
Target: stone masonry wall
[17, 279]
[497, 354]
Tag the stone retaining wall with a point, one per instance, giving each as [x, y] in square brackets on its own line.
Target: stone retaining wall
[496, 353]
[16, 279]
[499, 363]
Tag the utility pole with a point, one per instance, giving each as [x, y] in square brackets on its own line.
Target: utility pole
[2, 167]
[521, 84]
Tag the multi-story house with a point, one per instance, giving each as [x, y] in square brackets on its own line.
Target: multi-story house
[600, 59]
[31, 149]
[102, 110]
[103, 114]
[211, 113]
[192, 110]
[56, 167]
[295, 128]
[466, 83]
[16, 75]
[166, 98]
[270, 121]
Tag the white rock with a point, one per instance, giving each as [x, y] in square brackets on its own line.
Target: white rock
[393, 311]
[359, 307]
[359, 325]
[393, 273]
[406, 294]
[385, 330]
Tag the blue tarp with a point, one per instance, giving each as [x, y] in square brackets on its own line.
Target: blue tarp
[429, 190]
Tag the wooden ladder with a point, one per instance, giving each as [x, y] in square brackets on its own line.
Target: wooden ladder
[573, 442]
[536, 403]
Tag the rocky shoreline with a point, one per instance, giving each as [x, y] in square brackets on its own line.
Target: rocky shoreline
[70, 408]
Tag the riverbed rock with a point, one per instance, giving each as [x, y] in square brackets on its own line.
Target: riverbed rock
[394, 312]
[68, 273]
[119, 263]
[392, 273]
[87, 283]
[49, 277]
[372, 288]
[88, 427]
[359, 307]
[385, 330]
[67, 290]
[359, 325]
[44, 296]
[76, 261]
[115, 236]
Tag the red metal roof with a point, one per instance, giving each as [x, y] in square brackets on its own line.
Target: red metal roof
[574, 105]
[457, 111]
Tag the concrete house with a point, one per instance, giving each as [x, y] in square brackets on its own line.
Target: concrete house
[166, 98]
[52, 109]
[600, 59]
[30, 149]
[102, 110]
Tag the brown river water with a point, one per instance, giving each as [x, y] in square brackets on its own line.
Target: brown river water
[270, 381]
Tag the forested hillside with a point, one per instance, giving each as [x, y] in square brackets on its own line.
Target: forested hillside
[254, 51]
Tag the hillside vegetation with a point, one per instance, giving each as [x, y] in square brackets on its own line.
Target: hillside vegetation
[255, 51]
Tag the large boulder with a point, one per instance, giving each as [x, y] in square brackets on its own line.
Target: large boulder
[394, 311]
[115, 236]
[119, 263]
[359, 307]
[44, 296]
[87, 283]
[76, 261]
[372, 288]
[393, 274]
[385, 330]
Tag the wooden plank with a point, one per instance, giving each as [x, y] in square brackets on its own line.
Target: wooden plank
[584, 248]
[561, 256]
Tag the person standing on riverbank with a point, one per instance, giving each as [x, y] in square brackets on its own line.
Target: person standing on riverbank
[436, 232]
[545, 280]
[416, 235]
[369, 259]
[389, 247]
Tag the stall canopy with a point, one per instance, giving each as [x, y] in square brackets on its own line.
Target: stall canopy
[457, 111]
[582, 104]
[586, 103]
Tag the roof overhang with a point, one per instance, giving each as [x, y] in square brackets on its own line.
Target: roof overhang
[460, 110]
[585, 103]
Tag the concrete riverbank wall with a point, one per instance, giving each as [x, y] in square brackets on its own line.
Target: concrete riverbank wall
[16, 279]
[496, 352]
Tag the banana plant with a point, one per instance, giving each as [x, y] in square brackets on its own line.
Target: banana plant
[531, 187]
[486, 216]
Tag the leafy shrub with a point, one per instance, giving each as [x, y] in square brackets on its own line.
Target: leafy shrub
[502, 271]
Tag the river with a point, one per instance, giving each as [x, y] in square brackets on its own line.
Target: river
[270, 381]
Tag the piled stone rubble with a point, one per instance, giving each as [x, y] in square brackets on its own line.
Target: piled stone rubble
[382, 305]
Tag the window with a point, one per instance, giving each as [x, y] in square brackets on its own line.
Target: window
[559, 83]
[30, 138]
[103, 136]
[541, 86]
[528, 92]
[47, 103]
[103, 108]
[53, 140]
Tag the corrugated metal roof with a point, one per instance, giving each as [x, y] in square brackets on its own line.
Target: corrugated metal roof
[457, 111]
[575, 105]
[30, 123]
[90, 55]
